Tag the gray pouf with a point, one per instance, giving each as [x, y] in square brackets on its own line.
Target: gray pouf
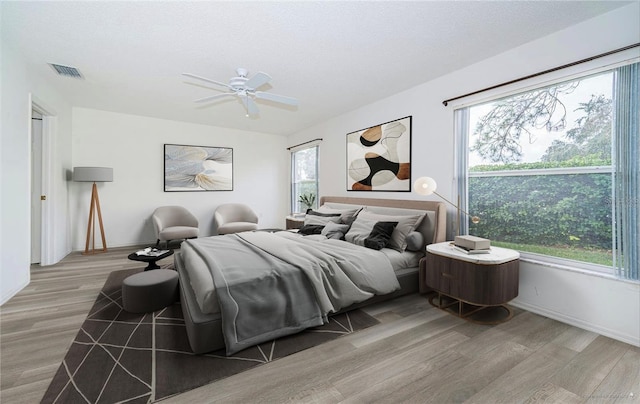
[149, 291]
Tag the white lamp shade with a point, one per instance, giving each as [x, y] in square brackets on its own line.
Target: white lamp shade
[425, 186]
[93, 174]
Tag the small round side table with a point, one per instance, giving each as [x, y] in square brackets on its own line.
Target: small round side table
[150, 259]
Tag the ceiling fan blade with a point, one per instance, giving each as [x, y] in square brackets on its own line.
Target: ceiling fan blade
[214, 97]
[276, 98]
[258, 80]
[207, 80]
[251, 106]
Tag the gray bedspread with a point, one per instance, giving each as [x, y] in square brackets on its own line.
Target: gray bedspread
[275, 284]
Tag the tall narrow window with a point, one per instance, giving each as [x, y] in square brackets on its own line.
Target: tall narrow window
[538, 168]
[304, 179]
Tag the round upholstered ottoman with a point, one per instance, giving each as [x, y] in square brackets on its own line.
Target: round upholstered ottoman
[149, 291]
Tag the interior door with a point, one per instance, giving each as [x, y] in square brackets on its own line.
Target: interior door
[36, 187]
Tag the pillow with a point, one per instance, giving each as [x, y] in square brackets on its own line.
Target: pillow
[415, 241]
[308, 229]
[406, 224]
[319, 218]
[347, 215]
[335, 230]
[359, 230]
[380, 235]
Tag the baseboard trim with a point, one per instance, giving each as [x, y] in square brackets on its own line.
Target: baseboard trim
[626, 338]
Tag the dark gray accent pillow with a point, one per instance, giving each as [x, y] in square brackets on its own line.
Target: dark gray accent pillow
[380, 235]
[406, 224]
[415, 241]
[308, 229]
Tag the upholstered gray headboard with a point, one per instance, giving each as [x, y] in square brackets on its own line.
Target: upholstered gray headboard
[433, 227]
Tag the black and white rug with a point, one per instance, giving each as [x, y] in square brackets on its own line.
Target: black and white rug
[140, 358]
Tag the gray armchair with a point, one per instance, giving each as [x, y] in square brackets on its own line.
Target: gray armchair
[174, 223]
[235, 218]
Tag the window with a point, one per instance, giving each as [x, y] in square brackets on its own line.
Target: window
[304, 179]
[539, 169]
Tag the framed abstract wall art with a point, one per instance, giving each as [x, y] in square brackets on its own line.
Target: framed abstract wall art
[379, 157]
[197, 168]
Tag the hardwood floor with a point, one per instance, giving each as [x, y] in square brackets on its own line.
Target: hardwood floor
[416, 354]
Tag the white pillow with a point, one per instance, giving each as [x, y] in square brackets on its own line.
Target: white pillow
[317, 218]
[360, 230]
[346, 215]
[334, 230]
[406, 224]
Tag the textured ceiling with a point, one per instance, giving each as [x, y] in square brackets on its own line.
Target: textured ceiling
[333, 56]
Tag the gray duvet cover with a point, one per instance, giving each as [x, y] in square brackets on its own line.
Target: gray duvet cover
[275, 284]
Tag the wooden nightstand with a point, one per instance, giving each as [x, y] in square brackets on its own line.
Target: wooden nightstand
[466, 284]
[294, 222]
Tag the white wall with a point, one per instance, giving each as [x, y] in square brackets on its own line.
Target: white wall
[568, 296]
[18, 84]
[133, 146]
[602, 304]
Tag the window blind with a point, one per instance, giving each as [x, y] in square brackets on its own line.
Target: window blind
[627, 168]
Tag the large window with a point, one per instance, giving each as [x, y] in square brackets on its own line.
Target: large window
[539, 169]
[304, 179]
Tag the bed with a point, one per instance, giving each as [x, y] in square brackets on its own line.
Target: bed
[275, 284]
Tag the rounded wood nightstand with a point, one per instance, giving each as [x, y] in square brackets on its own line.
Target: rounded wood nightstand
[294, 222]
[466, 284]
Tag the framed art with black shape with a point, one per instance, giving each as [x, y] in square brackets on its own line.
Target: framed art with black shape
[379, 157]
[197, 168]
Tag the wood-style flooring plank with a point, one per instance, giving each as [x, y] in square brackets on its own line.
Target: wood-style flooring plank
[549, 393]
[416, 354]
[589, 368]
[389, 378]
[476, 374]
[575, 339]
[384, 370]
[527, 377]
[382, 331]
[622, 384]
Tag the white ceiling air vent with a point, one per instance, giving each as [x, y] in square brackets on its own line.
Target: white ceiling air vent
[66, 71]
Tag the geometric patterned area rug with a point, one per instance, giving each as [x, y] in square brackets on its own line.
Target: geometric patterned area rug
[141, 358]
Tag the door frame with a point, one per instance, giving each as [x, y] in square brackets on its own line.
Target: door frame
[49, 128]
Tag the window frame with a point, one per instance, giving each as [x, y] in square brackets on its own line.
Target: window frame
[462, 173]
[293, 203]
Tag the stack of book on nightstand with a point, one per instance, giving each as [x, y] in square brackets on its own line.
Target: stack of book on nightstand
[472, 245]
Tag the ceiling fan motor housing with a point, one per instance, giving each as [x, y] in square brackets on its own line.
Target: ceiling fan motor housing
[237, 83]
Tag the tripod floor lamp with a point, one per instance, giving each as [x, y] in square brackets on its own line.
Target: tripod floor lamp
[94, 174]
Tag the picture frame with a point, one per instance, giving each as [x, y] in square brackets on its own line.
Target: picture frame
[379, 157]
[197, 168]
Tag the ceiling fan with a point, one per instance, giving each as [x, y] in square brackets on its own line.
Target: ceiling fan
[246, 90]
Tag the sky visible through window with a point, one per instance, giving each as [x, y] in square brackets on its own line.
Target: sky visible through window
[534, 150]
